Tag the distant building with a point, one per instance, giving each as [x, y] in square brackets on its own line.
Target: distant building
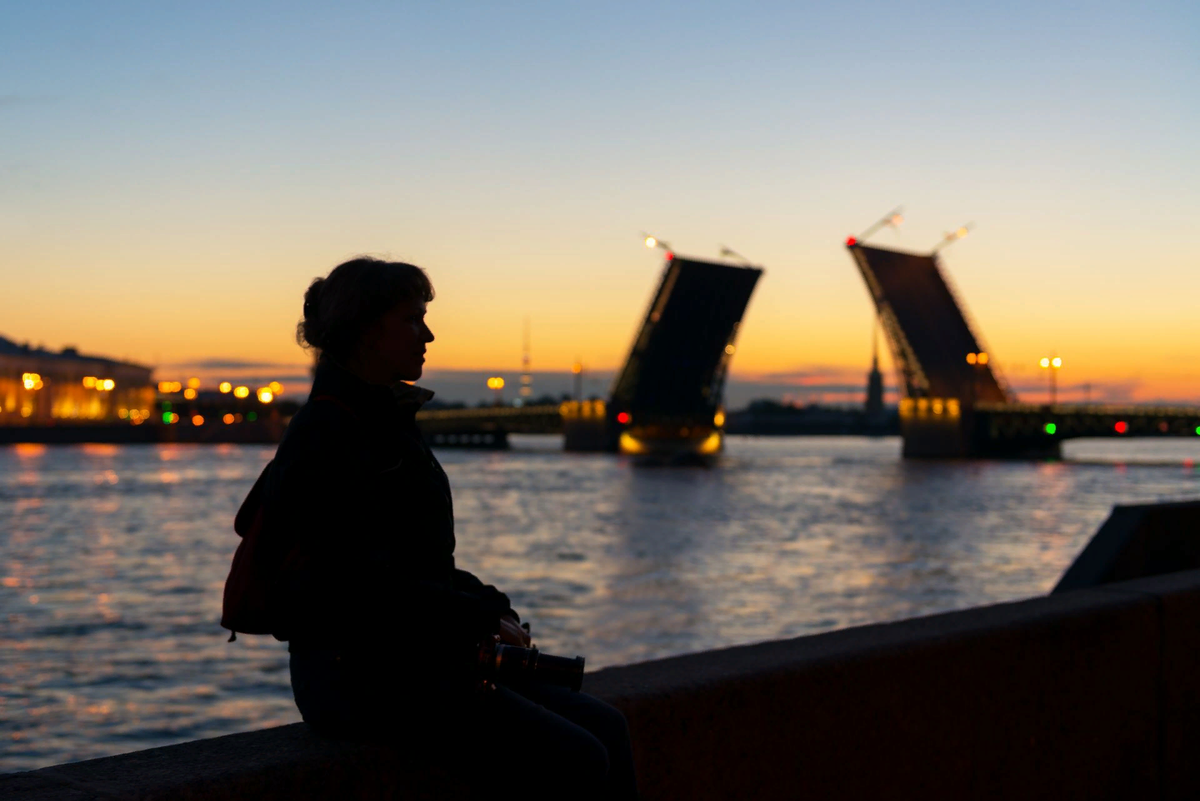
[42, 387]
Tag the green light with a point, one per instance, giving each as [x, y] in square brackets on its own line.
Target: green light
[1198, 431]
[166, 407]
[1051, 428]
[252, 416]
[167, 417]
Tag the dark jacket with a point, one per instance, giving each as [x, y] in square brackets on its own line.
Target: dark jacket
[359, 513]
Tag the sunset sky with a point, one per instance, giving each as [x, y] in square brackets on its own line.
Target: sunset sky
[172, 177]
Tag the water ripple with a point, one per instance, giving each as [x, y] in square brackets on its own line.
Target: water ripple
[113, 559]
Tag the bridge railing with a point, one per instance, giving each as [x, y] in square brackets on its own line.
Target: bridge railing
[487, 412]
[1129, 410]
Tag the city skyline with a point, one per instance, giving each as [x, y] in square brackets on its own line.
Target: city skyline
[174, 178]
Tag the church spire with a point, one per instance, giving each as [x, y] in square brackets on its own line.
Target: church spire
[874, 404]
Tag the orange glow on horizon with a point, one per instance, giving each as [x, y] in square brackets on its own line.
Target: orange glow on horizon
[813, 317]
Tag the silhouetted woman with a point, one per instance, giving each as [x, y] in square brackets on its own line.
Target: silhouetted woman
[383, 629]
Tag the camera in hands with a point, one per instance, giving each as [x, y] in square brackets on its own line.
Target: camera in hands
[500, 662]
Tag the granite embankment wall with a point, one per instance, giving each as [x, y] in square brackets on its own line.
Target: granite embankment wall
[1090, 694]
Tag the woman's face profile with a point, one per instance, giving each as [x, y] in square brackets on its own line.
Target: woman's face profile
[396, 343]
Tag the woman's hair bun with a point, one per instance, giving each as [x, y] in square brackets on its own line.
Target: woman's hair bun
[339, 308]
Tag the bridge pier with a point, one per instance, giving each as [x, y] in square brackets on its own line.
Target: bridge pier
[944, 428]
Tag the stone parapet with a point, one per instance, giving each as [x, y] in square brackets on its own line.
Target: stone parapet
[1090, 694]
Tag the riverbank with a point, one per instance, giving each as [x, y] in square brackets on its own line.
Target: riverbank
[1088, 694]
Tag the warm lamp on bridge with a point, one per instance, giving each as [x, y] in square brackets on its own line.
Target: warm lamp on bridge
[1052, 364]
[654, 242]
[892, 219]
[496, 384]
[977, 358]
[730, 253]
[953, 236]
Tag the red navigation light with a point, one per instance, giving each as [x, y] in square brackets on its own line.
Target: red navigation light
[623, 418]
[670, 256]
[851, 241]
[1121, 427]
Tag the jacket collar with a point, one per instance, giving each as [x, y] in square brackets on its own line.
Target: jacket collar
[410, 396]
[330, 378]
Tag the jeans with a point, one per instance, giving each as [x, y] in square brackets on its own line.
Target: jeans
[555, 737]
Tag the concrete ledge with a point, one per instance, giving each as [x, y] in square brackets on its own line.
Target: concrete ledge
[997, 702]
[1137, 541]
[1086, 695]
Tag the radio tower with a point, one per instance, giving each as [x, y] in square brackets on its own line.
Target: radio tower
[526, 378]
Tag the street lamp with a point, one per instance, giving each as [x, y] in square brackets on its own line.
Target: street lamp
[893, 219]
[654, 242]
[1051, 365]
[730, 253]
[953, 236]
[496, 383]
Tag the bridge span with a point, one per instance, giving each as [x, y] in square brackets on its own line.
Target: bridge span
[955, 402]
[666, 402]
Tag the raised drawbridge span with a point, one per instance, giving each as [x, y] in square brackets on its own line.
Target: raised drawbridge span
[666, 401]
[954, 400]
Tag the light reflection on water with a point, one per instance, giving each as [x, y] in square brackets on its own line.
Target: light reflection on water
[112, 562]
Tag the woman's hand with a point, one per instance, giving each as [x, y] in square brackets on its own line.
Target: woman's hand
[511, 633]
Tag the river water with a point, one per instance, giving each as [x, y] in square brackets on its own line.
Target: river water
[113, 558]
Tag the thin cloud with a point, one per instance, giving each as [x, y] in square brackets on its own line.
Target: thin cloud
[812, 376]
[237, 364]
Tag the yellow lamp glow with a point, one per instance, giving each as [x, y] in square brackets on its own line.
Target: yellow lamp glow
[241, 392]
[225, 387]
